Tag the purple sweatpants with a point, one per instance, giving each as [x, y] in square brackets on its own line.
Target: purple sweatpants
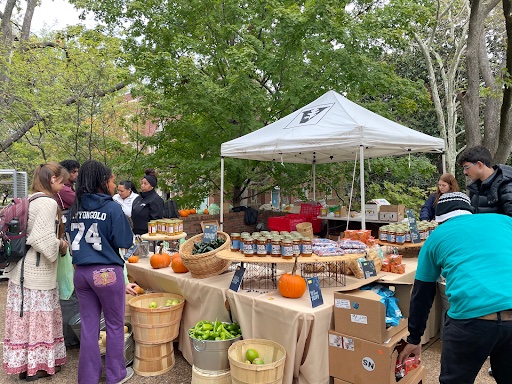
[101, 287]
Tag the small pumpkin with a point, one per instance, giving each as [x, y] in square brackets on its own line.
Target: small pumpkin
[177, 264]
[205, 212]
[133, 259]
[291, 285]
[193, 210]
[183, 212]
[160, 259]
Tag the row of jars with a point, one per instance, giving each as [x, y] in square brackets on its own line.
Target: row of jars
[276, 244]
[400, 233]
[167, 227]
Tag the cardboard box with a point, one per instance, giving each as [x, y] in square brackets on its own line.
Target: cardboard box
[415, 377]
[356, 361]
[360, 313]
[339, 381]
[371, 211]
[392, 213]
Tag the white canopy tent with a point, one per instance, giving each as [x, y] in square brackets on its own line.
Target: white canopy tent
[330, 129]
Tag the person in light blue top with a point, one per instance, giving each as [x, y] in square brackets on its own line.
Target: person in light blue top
[473, 253]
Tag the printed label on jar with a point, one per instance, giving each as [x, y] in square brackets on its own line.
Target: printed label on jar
[307, 249]
[287, 251]
[248, 249]
[261, 249]
[276, 249]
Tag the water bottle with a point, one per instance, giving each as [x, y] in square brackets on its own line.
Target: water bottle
[14, 226]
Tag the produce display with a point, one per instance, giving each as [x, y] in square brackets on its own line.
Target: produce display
[253, 357]
[168, 303]
[200, 247]
[206, 330]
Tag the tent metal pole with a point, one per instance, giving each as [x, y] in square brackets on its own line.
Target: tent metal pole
[221, 218]
[443, 157]
[314, 181]
[361, 175]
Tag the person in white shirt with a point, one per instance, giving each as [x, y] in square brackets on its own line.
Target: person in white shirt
[126, 194]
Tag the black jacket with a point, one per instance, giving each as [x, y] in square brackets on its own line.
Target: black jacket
[494, 195]
[147, 206]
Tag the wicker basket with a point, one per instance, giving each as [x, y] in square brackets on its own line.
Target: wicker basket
[305, 229]
[204, 264]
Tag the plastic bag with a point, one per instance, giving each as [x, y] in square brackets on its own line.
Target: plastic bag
[65, 272]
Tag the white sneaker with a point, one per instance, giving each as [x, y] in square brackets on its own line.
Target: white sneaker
[129, 374]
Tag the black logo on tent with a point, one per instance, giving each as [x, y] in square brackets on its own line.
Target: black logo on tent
[310, 113]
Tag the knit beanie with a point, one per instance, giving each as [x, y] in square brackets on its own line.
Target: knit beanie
[453, 204]
[151, 180]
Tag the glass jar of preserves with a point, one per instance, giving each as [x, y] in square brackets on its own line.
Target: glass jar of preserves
[152, 228]
[287, 249]
[323, 211]
[408, 236]
[400, 237]
[261, 247]
[296, 247]
[276, 247]
[383, 233]
[391, 236]
[235, 242]
[248, 246]
[306, 247]
[269, 244]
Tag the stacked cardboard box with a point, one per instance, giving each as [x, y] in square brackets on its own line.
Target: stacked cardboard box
[361, 349]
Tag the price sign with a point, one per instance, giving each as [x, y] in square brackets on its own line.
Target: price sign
[236, 281]
[368, 267]
[315, 293]
[413, 227]
[209, 233]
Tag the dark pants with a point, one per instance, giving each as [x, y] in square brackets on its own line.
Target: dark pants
[466, 345]
[101, 287]
[69, 309]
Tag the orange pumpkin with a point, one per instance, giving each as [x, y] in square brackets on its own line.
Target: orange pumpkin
[183, 212]
[291, 285]
[160, 260]
[205, 212]
[177, 264]
[133, 259]
[193, 210]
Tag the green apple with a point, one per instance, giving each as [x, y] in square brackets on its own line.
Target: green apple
[168, 303]
[153, 304]
[175, 302]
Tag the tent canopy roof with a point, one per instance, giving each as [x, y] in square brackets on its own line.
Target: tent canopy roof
[329, 130]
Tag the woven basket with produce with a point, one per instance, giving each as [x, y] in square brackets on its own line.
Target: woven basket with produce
[200, 258]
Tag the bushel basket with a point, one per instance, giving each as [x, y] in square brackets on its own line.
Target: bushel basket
[206, 264]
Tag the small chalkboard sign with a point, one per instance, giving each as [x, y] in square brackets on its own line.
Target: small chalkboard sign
[413, 227]
[368, 267]
[236, 281]
[315, 293]
[209, 233]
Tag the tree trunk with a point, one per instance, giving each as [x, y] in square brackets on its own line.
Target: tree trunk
[27, 20]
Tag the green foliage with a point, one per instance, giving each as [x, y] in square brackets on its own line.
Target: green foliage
[63, 79]
[211, 72]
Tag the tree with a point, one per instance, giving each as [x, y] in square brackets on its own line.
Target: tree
[212, 71]
[488, 96]
[51, 89]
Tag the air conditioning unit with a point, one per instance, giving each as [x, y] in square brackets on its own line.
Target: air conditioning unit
[12, 184]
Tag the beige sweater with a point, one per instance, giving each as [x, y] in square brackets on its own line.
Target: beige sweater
[42, 216]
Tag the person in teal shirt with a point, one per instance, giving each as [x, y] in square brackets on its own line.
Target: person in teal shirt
[473, 253]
